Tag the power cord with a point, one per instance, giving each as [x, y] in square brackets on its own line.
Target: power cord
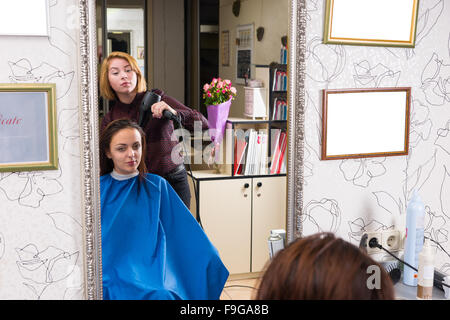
[373, 243]
[179, 126]
[239, 286]
[236, 286]
[151, 97]
[440, 246]
[199, 219]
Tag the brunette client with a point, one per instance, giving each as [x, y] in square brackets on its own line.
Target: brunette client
[152, 247]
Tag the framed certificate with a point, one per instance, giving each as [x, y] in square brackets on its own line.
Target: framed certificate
[28, 135]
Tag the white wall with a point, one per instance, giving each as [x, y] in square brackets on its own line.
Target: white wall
[128, 20]
[352, 196]
[167, 21]
[41, 245]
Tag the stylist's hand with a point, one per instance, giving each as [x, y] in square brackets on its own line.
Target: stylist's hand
[159, 107]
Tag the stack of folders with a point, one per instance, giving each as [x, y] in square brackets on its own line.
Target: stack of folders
[279, 109]
[283, 55]
[250, 154]
[279, 144]
[279, 80]
[240, 148]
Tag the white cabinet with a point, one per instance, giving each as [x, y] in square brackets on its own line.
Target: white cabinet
[237, 214]
[268, 213]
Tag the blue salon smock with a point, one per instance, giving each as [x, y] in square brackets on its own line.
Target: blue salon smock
[152, 247]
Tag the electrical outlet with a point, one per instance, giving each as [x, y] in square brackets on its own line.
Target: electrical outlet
[371, 235]
[390, 240]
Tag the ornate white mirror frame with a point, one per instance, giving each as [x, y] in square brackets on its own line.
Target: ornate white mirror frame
[90, 150]
[296, 114]
[90, 180]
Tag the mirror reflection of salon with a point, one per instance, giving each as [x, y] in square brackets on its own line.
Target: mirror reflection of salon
[237, 212]
[121, 26]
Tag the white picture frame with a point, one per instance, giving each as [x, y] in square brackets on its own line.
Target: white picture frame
[371, 22]
[25, 18]
[370, 122]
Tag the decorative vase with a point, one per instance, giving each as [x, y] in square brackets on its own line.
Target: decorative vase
[217, 119]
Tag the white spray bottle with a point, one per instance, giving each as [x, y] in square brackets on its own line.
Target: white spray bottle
[415, 222]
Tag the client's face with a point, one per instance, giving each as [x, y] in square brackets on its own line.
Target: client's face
[125, 150]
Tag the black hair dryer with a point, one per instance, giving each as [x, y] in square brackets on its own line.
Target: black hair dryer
[145, 110]
[150, 98]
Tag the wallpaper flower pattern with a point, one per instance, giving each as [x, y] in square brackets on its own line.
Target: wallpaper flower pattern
[353, 196]
[40, 217]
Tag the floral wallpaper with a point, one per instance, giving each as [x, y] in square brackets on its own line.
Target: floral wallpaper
[354, 196]
[40, 212]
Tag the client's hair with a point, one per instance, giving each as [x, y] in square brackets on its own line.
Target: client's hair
[106, 164]
[322, 266]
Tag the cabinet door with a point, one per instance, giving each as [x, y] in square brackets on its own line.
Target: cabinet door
[269, 212]
[225, 213]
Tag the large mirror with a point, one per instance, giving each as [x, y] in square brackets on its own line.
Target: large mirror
[91, 110]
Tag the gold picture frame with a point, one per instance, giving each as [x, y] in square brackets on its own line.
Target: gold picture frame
[371, 22]
[28, 127]
[369, 122]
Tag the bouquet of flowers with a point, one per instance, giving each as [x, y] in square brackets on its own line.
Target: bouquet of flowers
[218, 96]
[218, 91]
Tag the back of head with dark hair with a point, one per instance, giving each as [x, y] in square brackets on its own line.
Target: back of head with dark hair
[322, 266]
[106, 164]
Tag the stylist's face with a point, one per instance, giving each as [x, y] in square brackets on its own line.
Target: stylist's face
[125, 150]
[121, 76]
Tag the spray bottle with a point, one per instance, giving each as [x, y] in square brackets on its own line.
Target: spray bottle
[426, 272]
[415, 221]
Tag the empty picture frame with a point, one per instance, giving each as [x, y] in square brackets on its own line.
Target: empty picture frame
[28, 136]
[371, 22]
[24, 18]
[359, 123]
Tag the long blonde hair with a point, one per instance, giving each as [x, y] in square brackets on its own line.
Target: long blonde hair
[105, 88]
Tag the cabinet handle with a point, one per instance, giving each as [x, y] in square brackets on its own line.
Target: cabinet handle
[246, 186]
[259, 184]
